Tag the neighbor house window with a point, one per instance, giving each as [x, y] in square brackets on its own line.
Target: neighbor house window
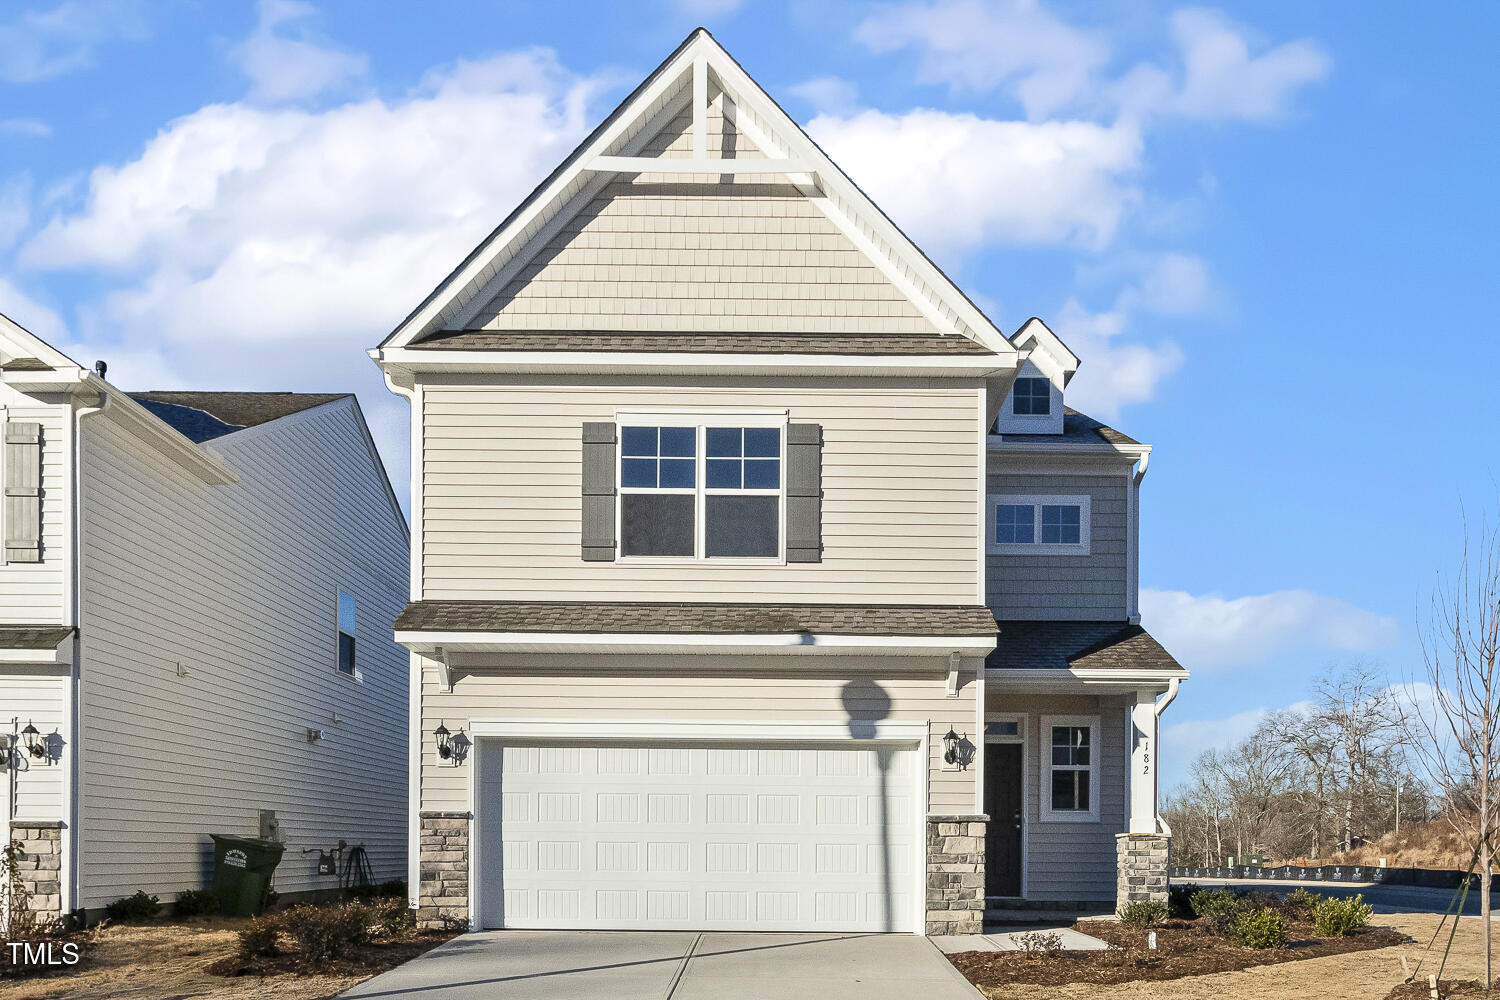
[1032, 397]
[1071, 748]
[346, 633]
[1039, 525]
[709, 489]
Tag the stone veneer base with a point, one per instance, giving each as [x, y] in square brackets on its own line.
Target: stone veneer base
[1141, 861]
[955, 874]
[443, 870]
[41, 863]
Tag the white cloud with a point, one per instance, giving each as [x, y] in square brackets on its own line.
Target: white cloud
[1219, 78]
[41, 45]
[285, 63]
[1182, 742]
[31, 314]
[956, 181]
[25, 127]
[1048, 65]
[241, 233]
[828, 95]
[1210, 632]
[15, 209]
[978, 46]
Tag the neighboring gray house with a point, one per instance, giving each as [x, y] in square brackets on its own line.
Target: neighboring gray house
[196, 594]
[719, 489]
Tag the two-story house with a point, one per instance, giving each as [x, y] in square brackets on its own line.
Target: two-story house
[719, 488]
[196, 591]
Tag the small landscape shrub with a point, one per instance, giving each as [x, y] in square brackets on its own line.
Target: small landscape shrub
[323, 932]
[1143, 913]
[1337, 917]
[1259, 928]
[1303, 902]
[1179, 900]
[258, 939]
[391, 917]
[378, 890]
[195, 903]
[132, 908]
[1039, 944]
[1208, 902]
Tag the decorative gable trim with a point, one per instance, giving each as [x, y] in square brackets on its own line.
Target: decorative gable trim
[606, 152]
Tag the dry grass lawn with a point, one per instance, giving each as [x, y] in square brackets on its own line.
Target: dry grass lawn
[1363, 975]
[167, 962]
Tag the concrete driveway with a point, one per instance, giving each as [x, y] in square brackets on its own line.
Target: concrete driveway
[660, 965]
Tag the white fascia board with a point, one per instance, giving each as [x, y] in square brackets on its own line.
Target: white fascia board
[1047, 351]
[48, 658]
[199, 459]
[751, 644]
[996, 443]
[709, 168]
[1071, 679]
[648, 363]
[595, 730]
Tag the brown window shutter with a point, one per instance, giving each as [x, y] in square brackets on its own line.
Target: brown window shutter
[599, 492]
[804, 493]
[23, 491]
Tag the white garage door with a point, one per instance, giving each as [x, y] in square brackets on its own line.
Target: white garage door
[722, 838]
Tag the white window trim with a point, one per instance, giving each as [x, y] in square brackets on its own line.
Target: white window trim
[1051, 403]
[1083, 501]
[702, 419]
[1019, 718]
[1044, 748]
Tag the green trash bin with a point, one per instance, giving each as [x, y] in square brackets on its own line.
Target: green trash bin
[242, 873]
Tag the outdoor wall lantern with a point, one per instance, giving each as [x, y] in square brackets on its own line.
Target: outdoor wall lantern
[34, 744]
[950, 747]
[451, 747]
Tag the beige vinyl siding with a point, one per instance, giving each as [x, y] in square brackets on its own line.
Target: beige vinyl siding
[238, 584]
[1077, 588]
[656, 252]
[1071, 861]
[502, 479]
[781, 691]
[37, 697]
[36, 592]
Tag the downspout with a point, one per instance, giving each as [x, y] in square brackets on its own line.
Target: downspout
[1133, 543]
[69, 839]
[1161, 706]
[414, 672]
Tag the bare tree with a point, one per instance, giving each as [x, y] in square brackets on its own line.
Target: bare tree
[1454, 719]
[1362, 719]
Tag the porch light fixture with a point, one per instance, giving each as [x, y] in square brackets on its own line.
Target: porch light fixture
[444, 744]
[34, 745]
[950, 747]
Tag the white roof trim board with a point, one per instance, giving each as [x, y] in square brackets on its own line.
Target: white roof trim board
[608, 151]
[1046, 350]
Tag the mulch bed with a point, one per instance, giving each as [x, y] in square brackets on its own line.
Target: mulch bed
[1456, 989]
[1182, 949]
[366, 960]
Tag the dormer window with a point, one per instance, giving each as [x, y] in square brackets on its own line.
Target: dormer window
[1032, 397]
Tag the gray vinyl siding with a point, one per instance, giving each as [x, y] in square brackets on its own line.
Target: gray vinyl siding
[716, 689]
[1071, 861]
[1076, 588]
[238, 584]
[502, 494]
[35, 592]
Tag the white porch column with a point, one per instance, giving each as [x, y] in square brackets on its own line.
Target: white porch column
[1143, 763]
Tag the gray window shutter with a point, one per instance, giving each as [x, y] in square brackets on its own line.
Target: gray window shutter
[23, 491]
[599, 492]
[804, 493]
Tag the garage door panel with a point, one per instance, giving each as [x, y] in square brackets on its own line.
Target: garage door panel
[724, 837]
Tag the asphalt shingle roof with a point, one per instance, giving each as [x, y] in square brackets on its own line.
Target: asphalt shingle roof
[682, 618]
[1030, 645]
[203, 416]
[700, 343]
[33, 636]
[1078, 428]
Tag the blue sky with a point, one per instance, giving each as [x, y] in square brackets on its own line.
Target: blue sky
[1267, 228]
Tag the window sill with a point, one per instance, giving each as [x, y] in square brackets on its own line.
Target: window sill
[1048, 816]
[355, 678]
[1039, 549]
[695, 561]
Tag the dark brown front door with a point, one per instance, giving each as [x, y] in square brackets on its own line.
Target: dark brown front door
[1002, 796]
